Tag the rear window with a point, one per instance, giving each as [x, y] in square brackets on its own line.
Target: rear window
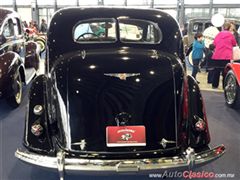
[104, 31]
[95, 30]
[139, 31]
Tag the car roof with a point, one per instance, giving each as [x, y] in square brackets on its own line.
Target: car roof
[60, 34]
[4, 13]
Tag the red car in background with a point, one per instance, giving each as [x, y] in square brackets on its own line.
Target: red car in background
[232, 84]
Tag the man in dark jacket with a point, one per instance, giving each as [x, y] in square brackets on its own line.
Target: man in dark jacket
[43, 27]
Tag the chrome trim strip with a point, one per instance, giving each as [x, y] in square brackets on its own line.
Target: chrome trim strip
[185, 160]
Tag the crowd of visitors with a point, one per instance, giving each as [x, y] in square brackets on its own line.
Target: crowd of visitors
[217, 55]
[33, 27]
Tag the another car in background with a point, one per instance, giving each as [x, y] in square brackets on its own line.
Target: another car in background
[19, 59]
[193, 26]
[201, 25]
[232, 84]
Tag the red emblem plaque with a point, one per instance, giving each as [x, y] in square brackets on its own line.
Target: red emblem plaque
[120, 136]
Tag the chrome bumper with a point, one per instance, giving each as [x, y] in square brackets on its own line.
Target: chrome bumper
[62, 163]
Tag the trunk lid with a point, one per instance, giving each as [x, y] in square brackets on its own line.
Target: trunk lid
[106, 89]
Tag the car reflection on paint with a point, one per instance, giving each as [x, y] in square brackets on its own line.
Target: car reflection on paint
[115, 102]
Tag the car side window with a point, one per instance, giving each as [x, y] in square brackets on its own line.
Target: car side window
[197, 27]
[8, 29]
[208, 24]
[17, 26]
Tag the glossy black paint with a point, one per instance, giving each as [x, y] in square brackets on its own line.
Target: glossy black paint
[14, 50]
[96, 98]
[38, 95]
[82, 95]
[61, 41]
[9, 64]
[197, 139]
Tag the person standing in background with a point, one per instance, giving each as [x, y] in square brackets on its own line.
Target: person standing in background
[208, 60]
[25, 24]
[31, 28]
[197, 53]
[43, 26]
[223, 53]
[235, 33]
[35, 25]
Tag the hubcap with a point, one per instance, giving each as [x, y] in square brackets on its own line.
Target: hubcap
[230, 89]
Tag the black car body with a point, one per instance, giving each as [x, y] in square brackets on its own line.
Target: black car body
[129, 83]
[19, 59]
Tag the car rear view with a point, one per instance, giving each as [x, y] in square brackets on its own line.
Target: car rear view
[116, 97]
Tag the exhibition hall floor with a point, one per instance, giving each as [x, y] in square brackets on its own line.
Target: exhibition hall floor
[224, 126]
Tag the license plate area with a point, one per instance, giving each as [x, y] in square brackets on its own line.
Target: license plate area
[125, 136]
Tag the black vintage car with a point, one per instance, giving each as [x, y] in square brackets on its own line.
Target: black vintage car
[19, 59]
[115, 101]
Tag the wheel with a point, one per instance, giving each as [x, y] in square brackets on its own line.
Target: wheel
[16, 99]
[232, 90]
[41, 41]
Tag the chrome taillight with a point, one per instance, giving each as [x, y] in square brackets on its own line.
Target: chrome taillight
[38, 110]
[37, 129]
[200, 125]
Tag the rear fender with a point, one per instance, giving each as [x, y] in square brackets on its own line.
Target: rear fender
[197, 136]
[10, 63]
[37, 136]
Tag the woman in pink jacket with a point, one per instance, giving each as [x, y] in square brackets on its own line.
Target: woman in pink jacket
[224, 43]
